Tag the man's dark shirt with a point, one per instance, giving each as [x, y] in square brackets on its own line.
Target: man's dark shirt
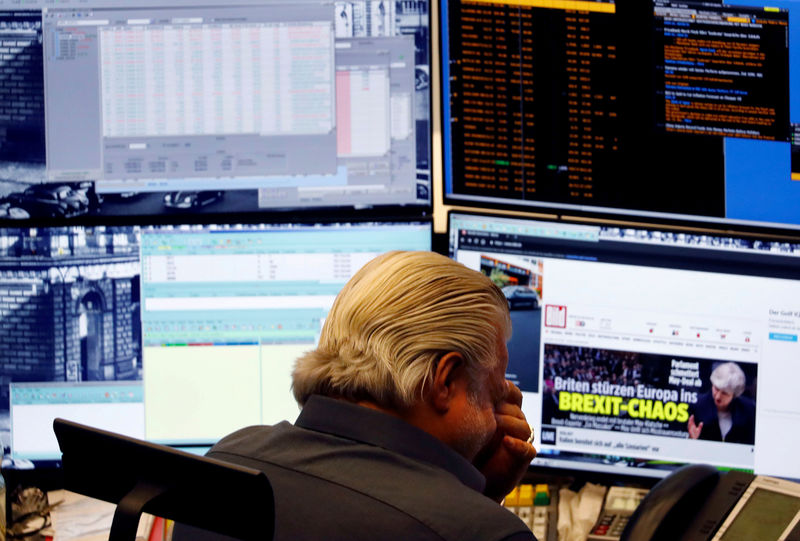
[348, 472]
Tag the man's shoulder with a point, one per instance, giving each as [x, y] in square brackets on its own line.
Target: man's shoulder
[250, 441]
[248, 432]
[384, 483]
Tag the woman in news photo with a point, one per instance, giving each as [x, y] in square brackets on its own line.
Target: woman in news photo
[724, 414]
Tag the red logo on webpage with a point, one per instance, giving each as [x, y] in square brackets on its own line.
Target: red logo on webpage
[555, 316]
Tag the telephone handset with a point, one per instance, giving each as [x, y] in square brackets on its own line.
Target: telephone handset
[664, 513]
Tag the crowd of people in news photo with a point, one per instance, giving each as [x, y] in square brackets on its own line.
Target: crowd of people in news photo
[591, 365]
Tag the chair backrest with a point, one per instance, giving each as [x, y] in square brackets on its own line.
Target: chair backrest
[139, 476]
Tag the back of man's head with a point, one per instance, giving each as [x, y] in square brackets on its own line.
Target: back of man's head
[391, 324]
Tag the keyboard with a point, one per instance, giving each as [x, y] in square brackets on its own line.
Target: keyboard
[537, 507]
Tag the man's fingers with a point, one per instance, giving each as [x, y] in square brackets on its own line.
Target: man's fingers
[520, 449]
[512, 410]
[516, 427]
[513, 395]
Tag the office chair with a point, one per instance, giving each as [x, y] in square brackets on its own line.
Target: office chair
[140, 477]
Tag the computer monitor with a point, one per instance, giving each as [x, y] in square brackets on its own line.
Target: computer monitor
[657, 110]
[620, 333]
[172, 334]
[171, 107]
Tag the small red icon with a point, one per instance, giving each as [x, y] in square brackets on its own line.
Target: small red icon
[555, 316]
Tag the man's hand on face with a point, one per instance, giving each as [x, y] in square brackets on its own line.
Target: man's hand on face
[506, 459]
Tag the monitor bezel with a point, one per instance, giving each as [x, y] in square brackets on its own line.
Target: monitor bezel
[608, 473]
[574, 212]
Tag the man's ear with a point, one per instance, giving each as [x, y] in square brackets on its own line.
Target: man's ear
[448, 380]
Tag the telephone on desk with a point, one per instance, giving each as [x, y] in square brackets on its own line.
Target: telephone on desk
[620, 504]
[698, 503]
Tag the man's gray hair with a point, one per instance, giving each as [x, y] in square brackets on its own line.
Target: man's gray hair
[394, 320]
[728, 377]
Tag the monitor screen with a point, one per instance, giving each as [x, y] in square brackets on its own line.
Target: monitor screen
[639, 350]
[659, 109]
[174, 334]
[138, 108]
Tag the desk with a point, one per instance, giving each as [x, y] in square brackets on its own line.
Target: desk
[80, 518]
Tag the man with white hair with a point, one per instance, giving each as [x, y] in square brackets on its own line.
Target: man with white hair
[408, 428]
[724, 414]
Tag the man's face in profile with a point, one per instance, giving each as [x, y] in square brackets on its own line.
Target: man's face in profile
[478, 424]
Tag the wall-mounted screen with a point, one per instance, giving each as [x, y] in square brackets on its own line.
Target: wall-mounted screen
[176, 334]
[639, 350]
[160, 107]
[670, 111]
